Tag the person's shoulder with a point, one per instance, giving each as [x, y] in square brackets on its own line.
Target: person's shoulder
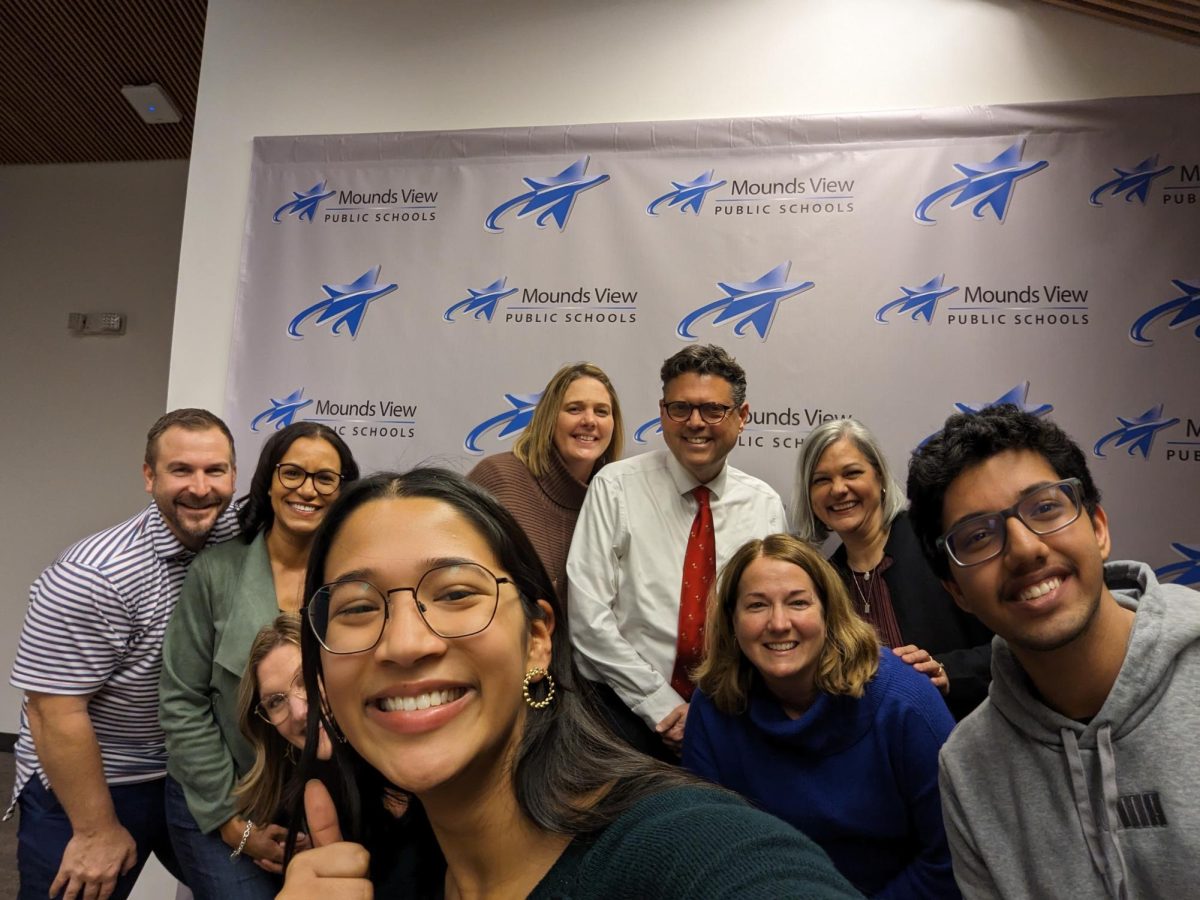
[907, 693]
[731, 849]
[976, 735]
[227, 553]
[628, 471]
[898, 677]
[109, 548]
[495, 465]
[703, 707]
[650, 461]
[699, 802]
[748, 482]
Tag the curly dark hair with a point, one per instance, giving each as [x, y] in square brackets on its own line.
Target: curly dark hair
[707, 359]
[968, 439]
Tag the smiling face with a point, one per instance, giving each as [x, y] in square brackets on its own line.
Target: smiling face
[429, 713]
[584, 426]
[1042, 592]
[779, 625]
[279, 676]
[699, 447]
[192, 481]
[845, 492]
[299, 510]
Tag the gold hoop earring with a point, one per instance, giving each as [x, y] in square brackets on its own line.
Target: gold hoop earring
[529, 678]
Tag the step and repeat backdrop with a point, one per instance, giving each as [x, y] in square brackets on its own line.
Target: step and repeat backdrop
[415, 291]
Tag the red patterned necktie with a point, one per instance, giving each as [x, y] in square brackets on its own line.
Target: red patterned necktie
[699, 569]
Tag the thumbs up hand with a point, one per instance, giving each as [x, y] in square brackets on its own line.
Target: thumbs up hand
[334, 869]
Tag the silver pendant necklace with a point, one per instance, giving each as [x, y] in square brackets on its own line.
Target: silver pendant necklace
[866, 598]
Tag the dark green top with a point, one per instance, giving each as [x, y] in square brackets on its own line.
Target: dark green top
[696, 843]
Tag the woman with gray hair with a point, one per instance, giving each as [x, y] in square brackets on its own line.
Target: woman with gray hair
[844, 486]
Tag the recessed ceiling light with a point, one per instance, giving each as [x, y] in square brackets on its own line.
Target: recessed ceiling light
[151, 103]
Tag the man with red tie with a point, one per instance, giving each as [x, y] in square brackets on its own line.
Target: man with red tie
[652, 533]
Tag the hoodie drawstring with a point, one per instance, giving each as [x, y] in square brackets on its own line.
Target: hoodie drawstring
[1102, 844]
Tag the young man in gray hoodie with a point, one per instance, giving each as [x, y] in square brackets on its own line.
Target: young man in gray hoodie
[1077, 777]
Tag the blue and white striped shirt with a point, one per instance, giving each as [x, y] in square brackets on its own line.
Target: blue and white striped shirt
[95, 626]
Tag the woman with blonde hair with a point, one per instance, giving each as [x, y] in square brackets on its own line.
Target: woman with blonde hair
[797, 709]
[576, 429]
[273, 715]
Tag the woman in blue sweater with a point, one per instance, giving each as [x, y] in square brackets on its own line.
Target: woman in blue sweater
[799, 711]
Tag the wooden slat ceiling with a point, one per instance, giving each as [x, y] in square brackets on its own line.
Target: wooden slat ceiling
[62, 64]
[1179, 19]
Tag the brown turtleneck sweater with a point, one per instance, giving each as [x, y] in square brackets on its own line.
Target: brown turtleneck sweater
[546, 508]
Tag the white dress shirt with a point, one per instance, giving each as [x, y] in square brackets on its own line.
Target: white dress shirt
[625, 568]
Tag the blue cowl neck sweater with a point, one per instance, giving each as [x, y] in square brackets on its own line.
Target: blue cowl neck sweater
[857, 776]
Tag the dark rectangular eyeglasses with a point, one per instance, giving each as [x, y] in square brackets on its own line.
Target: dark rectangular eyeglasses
[1043, 510]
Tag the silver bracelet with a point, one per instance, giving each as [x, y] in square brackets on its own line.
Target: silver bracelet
[242, 844]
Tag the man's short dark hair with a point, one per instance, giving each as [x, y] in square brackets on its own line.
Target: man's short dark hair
[707, 359]
[192, 419]
[968, 439]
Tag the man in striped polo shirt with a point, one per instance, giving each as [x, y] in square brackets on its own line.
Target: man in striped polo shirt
[91, 757]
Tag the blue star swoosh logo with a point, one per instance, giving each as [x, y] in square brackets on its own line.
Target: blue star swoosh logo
[1186, 572]
[989, 184]
[1137, 435]
[1133, 183]
[344, 304]
[1186, 308]
[755, 302]
[647, 428]
[551, 197]
[304, 207]
[481, 303]
[687, 195]
[281, 413]
[919, 302]
[510, 422]
[1018, 395]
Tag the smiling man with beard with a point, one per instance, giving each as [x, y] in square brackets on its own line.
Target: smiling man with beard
[652, 533]
[91, 757]
[1076, 777]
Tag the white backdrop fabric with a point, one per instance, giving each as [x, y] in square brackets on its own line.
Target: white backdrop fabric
[415, 291]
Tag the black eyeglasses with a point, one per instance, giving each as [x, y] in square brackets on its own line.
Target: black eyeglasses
[455, 600]
[1043, 510]
[325, 481]
[275, 708]
[711, 413]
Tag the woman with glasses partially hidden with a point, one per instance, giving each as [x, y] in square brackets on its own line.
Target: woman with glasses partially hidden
[844, 485]
[576, 429]
[273, 716]
[230, 592]
[797, 709]
[434, 634]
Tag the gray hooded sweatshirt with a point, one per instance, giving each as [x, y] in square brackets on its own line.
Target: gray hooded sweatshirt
[1039, 805]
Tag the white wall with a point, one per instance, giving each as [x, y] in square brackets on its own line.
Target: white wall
[323, 67]
[75, 410]
[84, 238]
